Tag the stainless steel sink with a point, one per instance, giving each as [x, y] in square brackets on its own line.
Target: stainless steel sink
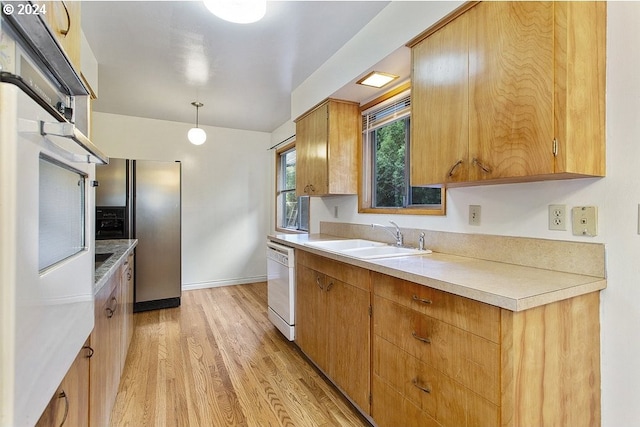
[101, 258]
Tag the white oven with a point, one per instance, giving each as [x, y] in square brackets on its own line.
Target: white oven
[46, 225]
[281, 285]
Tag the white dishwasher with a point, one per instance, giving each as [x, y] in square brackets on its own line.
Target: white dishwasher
[281, 288]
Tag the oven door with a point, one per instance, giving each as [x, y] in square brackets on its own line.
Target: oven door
[46, 256]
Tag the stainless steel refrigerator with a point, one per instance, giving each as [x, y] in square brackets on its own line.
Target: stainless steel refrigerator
[150, 193]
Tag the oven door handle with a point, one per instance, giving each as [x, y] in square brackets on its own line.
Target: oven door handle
[68, 130]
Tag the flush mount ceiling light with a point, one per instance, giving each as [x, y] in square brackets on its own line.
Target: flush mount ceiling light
[196, 135]
[238, 11]
[377, 79]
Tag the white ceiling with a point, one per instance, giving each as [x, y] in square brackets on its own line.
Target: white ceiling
[156, 57]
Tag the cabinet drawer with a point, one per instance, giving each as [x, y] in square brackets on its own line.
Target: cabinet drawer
[443, 399]
[473, 316]
[355, 276]
[467, 358]
[391, 409]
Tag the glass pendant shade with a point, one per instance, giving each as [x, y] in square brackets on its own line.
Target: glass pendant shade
[197, 136]
[238, 11]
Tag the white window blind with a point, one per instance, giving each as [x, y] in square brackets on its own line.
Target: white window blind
[61, 212]
[380, 115]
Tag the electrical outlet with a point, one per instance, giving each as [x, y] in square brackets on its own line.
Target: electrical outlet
[474, 214]
[585, 221]
[557, 217]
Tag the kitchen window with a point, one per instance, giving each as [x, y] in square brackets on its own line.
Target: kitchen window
[386, 125]
[292, 212]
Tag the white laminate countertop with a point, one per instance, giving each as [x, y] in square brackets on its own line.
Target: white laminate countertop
[120, 248]
[512, 287]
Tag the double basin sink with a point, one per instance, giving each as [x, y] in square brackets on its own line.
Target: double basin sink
[365, 249]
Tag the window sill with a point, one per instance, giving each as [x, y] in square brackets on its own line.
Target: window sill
[404, 211]
[290, 231]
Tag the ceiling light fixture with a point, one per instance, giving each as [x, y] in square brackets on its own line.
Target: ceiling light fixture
[196, 135]
[238, 11]
[377, 79]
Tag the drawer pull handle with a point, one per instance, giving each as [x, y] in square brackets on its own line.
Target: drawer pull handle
[329, 286]
[90, 351]
[63, 395]
[485, 168]
[318, 282]
[419, 338]
[422, 300]
[417, 384]
[452, 171]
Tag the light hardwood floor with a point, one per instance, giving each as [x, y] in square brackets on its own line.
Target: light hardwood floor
[218, 361]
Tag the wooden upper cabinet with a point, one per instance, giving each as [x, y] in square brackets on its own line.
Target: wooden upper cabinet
[511, 90]
[531, 106]
[63, 18]
[326, 149]
[440, 106]
[580, 87]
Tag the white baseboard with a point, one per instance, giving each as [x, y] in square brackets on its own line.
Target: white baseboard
[220, 283]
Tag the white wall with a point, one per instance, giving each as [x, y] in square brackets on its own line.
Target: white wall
[225, 192]
[521, 209]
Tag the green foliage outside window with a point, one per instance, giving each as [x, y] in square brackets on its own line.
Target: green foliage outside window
[391, 178]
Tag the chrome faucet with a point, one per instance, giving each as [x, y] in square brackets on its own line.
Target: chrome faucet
[397, 234]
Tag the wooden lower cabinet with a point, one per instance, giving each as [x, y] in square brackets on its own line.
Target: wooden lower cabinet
[333, 325]
[436, 360]
[110, 341]
[70, 403]
[126, 296]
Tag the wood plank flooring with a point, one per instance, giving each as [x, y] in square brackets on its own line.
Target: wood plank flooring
[218, 361]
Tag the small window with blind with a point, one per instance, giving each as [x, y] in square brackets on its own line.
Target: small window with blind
[385, 162]
[292, 212]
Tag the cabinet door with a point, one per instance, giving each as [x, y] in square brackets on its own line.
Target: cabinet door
[311, 315]
[440, 106]
[70, 404]
[312, 136]
[349, 337]
[511, 73]
[63, 18]
[126, 309]
[344, 132]
[105, 363]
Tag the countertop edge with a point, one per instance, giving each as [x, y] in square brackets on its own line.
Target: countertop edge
[121, 249]
[589, 283]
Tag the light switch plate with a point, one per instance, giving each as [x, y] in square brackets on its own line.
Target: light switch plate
[585, 220]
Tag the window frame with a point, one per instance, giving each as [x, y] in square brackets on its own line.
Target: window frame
[365, 193]
[280, 193]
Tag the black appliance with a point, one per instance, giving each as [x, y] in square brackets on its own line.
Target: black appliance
[111, 223]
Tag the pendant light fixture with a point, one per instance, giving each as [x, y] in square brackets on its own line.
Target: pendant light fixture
[238, 11]
[196, 135]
